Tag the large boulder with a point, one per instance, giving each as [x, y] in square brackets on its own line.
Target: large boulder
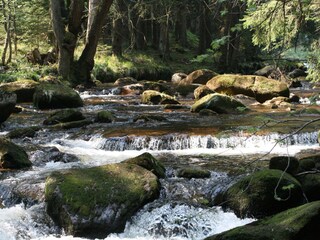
[7, 105]
[311, 185]
[12, 156]
[149, 162]
[64, 116]
[155, 97]
[201, 92]
[219, 103]
[294, 224]
[51, 96]
[201, 76]
[261, 88]
[285, 163]
[177, 77]
[24, 89]
[263, 193]
[125, 81]
[95, 202]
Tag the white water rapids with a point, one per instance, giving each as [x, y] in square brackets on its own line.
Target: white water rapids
[165, 220]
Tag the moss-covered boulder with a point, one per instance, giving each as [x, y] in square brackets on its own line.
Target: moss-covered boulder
[149, 118]
[12, 156]
[155, 97]
[70, 125]
[95, 202]
[23, 88]
[7, 105]
[311, 185]
[285, 163]
[261, 88]
[63, 116]
[23, 132]
[105, 117]
[125, 81]
[51, 96]
[201, 76]
[177, 77]
[201, 92]
[263, 193]
[149, 162]
[294, 224]
[219, 103]
[193, 173]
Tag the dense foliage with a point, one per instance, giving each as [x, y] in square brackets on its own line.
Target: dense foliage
[226, 36]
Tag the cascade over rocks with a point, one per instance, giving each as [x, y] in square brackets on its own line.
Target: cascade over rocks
[12, 156]
[7, 105]
[261, 88]
[263, 193]
[51, 96]
[24, 89]
[219, 103]
[95, 202]
[294, 224]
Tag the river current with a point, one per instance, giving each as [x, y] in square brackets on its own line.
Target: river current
[179, 213]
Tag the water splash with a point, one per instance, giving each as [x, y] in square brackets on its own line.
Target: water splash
[181, 221]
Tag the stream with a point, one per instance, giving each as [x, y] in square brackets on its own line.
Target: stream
[223, 144]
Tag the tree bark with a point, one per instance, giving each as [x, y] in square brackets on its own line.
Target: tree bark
[205, 30]
[98, 10]
[181, 26]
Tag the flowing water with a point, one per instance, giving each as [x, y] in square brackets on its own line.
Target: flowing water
[220, 144]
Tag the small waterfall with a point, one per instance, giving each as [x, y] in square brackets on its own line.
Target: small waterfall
[180, 221]
[184, 141]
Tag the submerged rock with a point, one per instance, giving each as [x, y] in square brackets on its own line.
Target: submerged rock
[296, 223]
[155, 97]
[7, 105]
[193, 173]
[105, 117]
[12, 156]
[95, 202]
[23, 132]
[64, 116]
[263, 193]
[147, 161]
[51, 96]
[261, 88]
[219, 103]
[24, 89]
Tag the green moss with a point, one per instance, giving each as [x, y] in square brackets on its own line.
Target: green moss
[297, 223]
[82, 190]
[264, 193]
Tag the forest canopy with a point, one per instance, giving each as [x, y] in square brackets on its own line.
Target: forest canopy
[225, 36]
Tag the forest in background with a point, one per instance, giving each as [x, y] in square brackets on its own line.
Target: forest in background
[149, 39]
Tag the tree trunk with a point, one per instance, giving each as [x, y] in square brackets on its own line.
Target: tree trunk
[230, 51]
[7, 50]
[205, 30]
[181, 26]
[98, 10]
[118, 27]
